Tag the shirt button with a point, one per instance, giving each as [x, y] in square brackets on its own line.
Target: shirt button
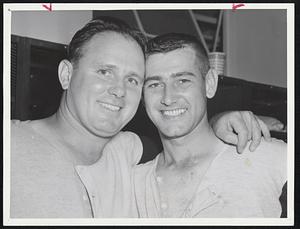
[85, 197]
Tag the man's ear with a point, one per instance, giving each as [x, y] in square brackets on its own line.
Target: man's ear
[65, 70]
[211, 83]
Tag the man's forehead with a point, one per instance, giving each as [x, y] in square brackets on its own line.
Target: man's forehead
[106, 37]
[113, 50]
[177, 54]
[175, 59]
[109, 39]
[111, 42]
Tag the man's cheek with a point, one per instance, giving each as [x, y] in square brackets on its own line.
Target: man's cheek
[99, 88]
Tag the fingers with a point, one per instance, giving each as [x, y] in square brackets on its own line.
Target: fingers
[272, 123]
[256, 134]
[264, 129]
[231, 138]
[237, 130]
[242, 140]
[247, 118]
[240, 127]
[278, 127]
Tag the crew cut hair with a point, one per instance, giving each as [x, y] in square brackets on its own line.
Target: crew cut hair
[100, 25]
[171, 41]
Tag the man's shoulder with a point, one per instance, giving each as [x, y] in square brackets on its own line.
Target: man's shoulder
[24, 129]
[275, 143]
[267, 150]
[274, 150]
[18, 126]
[21, 134]
[125, 145]
[266, 167]
[125, 137]
[29, 146]
[269, 157]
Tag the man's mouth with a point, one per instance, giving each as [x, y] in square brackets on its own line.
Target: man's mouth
[110, 107]
[174, 113]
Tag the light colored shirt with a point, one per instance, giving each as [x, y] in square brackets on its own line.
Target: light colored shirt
[45, 182]
[235, 185]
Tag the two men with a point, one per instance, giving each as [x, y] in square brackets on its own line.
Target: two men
[198, 175]
[76, 163]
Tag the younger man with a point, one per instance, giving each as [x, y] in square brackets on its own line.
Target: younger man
[198, 175]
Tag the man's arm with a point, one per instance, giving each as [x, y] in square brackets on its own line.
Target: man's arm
[238, 127]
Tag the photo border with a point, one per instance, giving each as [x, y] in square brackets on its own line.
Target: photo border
[8, 8]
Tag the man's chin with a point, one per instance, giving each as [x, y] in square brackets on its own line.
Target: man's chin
[107, 134]
[173, 134]
[107, 131]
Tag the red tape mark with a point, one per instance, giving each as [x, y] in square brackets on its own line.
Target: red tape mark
[48, 7]
[235, 6]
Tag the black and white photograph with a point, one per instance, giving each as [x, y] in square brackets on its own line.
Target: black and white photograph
[148, 114]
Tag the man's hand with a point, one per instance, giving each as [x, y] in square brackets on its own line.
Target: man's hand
[238, 127]
[273, 124]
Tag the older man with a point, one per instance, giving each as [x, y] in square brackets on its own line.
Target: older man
[77, 163]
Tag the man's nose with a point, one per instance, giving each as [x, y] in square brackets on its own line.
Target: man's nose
[168, 97]
[118, 90]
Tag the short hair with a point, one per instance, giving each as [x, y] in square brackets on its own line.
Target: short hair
[171, 41]
[100, 25]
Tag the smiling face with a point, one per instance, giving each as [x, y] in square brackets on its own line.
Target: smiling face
[175, 92]
[104, 87]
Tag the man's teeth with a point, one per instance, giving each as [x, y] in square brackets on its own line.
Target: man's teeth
[110, 107]
[175, 112]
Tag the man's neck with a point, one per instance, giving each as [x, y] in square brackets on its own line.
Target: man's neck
[185, 151]
[183, 164]
[86, 148]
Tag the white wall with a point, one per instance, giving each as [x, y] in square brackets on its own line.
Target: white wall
[255, 45]
[55, 26]
[254, 40]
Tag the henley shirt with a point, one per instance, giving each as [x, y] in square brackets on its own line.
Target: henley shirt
[45, 182]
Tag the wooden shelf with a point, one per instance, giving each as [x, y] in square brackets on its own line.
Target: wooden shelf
[36, 89]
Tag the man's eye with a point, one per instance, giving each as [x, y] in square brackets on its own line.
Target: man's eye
[133, 81]
[182, 81]
[105, 72]
[153, 85]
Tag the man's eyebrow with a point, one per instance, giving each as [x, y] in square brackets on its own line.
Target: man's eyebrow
[152, 78]
[173, 75]
[111, 66]
[115, 67]
[178, 74]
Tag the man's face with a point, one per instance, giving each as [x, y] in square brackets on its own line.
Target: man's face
[174, 90]
[105, 86]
